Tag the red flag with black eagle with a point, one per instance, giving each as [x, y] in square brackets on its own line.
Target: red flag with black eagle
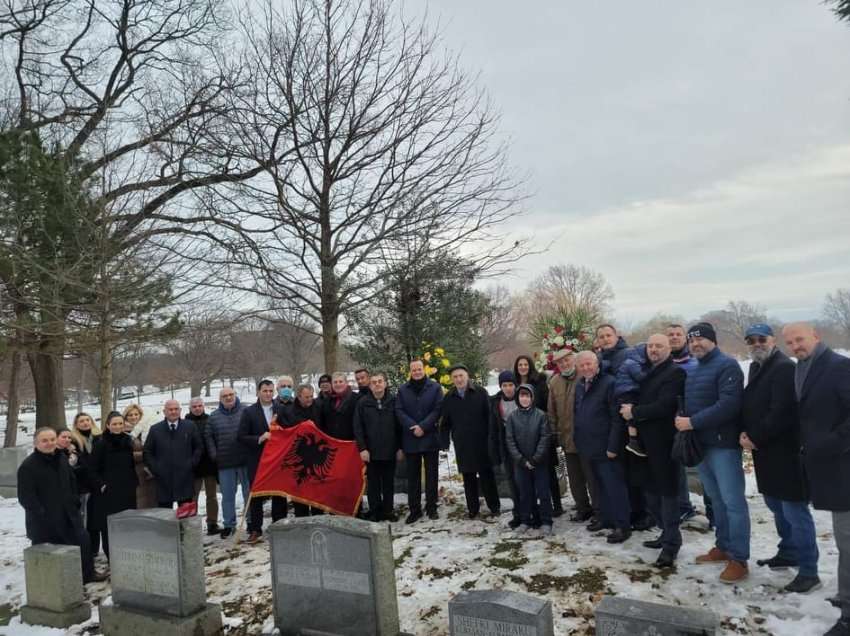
[307, 465]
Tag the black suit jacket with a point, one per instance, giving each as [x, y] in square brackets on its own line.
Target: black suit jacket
[172, 458]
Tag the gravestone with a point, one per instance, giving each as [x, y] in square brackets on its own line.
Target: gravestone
[334, 576]
[10, 461]
[495, 612]
[618, 616]
[157, 576]
[54, 582]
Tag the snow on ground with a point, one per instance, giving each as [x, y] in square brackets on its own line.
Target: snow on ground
[437, 559]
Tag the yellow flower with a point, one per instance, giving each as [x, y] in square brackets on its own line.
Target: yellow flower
[440, 351]
[446, 363]
[445, 378]
[427, 356]
[429, 370]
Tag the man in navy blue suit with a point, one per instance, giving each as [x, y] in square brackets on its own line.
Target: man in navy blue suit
[172, 451]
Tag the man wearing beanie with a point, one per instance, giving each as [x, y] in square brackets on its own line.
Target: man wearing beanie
[501, 406]
[713, 399]
[561, 412]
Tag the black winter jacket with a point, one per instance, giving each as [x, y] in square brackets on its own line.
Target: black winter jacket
[338, 421]
[206, 465]
[221, 437]
[376, 427]
[467, 420]
[47, 490]
[527, 435]
[769, 417]
[113, 466]
[296, 413]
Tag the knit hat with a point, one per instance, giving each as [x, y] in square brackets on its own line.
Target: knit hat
[325, 377]
[702, 330]
[506, 376]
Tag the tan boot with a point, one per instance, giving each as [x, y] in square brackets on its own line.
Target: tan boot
[715, 555]
[734, 573]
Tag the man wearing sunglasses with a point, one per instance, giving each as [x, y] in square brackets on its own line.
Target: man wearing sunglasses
[771, 432]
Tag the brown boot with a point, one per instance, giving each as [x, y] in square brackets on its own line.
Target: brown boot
[734, 573]
[715, 555]
[254, 537]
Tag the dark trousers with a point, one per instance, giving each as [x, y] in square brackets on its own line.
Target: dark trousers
[73, 533]
[685, 505]
[508, 467]
[255, 513]
[380, 475]
[488, 488]
[614, 505]
[414, 462]
[303, 510]
[533, 485]
[580, 476]
[554, 486]
[665, 509]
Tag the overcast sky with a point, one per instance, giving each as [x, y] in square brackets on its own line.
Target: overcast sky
[692, 153]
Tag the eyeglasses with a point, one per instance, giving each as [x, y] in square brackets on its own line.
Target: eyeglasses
[751, 340]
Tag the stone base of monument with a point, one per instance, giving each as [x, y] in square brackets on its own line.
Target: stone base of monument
[70, 616]
[131, 622]
[617, 615]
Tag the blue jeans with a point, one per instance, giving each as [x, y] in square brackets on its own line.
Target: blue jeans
[533, 485]
[796, 530]
[722, 476]
[614, 503]
[228, 480]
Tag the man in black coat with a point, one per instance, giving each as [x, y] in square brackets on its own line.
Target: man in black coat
[206, 472]
[338, 409]
[771, 433]
[466, 418]
[378, 434]
[172, 451]
[253, 434]
[47, 490]
[653, 416]
[822, 388]
[304, 408]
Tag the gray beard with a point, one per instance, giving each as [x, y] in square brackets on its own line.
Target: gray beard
[760, 355]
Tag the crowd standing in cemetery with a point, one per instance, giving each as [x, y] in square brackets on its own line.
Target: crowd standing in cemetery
[615, 415]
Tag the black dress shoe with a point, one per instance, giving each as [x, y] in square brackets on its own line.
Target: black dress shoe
[413, 517]
[777, 563]
[655, 544]
[558, 512]
[803, 584]
[433, 516]
[514, 523]
[472, 515]
[212, 528]
[595, 526]
[644, 523]
[665, 560]
[619, 535]
[226, 532]
[834, 601]
[581, 517]
[841, 628]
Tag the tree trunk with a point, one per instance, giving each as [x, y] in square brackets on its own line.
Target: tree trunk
[81, 382]
[105, 387]
[46, 368]
[13, 403]
[330, 339]
[194, 387]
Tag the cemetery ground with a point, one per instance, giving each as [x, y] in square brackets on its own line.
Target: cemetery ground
[437, 559]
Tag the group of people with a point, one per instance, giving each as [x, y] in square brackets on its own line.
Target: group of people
[619, 416]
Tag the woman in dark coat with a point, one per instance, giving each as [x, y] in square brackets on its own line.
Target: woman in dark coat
[526, 373]
[113, 476]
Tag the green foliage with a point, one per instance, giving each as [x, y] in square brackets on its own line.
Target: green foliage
[430, 301]
[841, 8]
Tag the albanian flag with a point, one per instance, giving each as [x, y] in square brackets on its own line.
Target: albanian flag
[308, 466]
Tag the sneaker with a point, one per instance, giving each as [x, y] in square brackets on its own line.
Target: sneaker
[619, 535]
[777, 563]
[226, 532]
[654, 544]
[803, 584]
[841, 628]
[212, 528]
[514, 523]
[433, 516]
[636, 447]
[734, 572]
[665, 560]
[254, 537]
[715, 555]
[546, 530]
[581, 517]
[413, 517]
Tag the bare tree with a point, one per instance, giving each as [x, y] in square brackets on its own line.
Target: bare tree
[201, 351]
[569, 289]
[295, 337]
[836, 309]
[735, 318]
[393, 142]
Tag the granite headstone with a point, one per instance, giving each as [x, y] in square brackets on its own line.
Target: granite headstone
[10, 461]
[333, 575]
[157, 575]
[499, 612]
[54, 582]
[619, 616]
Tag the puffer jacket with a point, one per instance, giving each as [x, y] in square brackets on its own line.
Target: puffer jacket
[714, 393]
[611, 359]
[220, 437]
[633, 370]
[527, 433]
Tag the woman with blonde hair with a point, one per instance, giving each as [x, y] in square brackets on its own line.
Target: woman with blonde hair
[84, 434]
[146, 489]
